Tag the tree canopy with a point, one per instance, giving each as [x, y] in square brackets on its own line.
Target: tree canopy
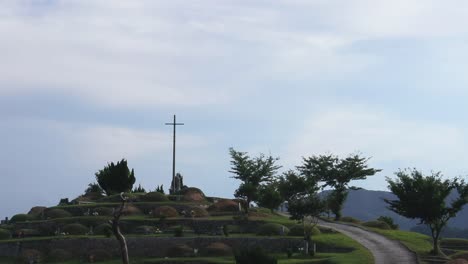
[425, 198]
[252, 172]
[336, 173]
[116, 178]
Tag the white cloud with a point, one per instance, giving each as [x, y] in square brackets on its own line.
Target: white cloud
[385, 137]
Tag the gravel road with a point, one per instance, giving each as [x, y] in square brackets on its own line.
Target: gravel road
[385, 251]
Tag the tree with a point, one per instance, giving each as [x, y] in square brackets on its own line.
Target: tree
[94, 189]
[139, 189]
[336, 173]
[269, 197]
[425, 198]
[116, 178]
[115, 223]
[252, 172]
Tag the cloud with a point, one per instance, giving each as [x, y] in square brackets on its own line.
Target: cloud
[388, 138]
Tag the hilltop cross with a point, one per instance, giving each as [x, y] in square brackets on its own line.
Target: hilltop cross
[174, 124]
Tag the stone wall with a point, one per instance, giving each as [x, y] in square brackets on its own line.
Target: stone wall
[146, 246]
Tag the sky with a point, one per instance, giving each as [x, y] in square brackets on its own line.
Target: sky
[87, 82]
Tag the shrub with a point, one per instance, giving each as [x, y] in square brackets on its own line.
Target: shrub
[217, 249]
[75, 229]
[179, 231]
[4, 234]
[131, 210]
[272, 229]
[377, 224]
[350, 219]
[28, 255]
[104, 211]
[165, 211]
[145, 230]
[154, 197]
[193, 194]
[115, 198]
[58, 255]
[28, 232]
[298, 230]
[389, 221]
[22, 218]
[179, 251]
[224, 206]
[57, 213]
[37, 210]
[198, 211]
[103, 230]
[254, 255]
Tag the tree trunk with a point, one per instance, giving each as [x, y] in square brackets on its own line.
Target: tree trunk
[435, 233]
[121, 239]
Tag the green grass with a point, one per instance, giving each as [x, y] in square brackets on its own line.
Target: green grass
[419, 243]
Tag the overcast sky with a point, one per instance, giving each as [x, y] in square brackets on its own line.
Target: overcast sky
[86, 82]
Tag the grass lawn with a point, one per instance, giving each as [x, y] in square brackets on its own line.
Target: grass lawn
[419, 243]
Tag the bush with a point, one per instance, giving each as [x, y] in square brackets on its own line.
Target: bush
[115, 198]
[254, 255]
[389, 221]
[298, 230]
[104, 211]
[29, 232]
[217, 249]
[145, 230]
[58, 255]
[131, 210]
[31, 254]
[377, 224]
[198, 212]
[272, 229]
[37, 210]
[103, 230]
[22, 218]
[165, 211]
[179, 231]
[4, 234]
[57, 213]
[154, 197]
[193, 194]
[179, 251]
[75, 229]
[224, 206]
[350, 219]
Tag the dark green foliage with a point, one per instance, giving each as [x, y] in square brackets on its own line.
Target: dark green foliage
[224, 206]
[300, 207]
[160, 189]
[103, 211]
[298, 230]
[103, 230]
[139, 189]
[425, 198]
[145, 230]
[226, 230]
[22, 218]
[292, 186]
[98, 255]
[252, 172]
[4, 234]
[336, 173]
[179, 231]
[272, 229]
[58, 255]
[269, 197]
[389, 221]
[75, 229]
[57, 213]
[196, 211]
[335, 201]
[154, 197]
[377, 224]
[116, 178]
[94, 191]
[253, 256]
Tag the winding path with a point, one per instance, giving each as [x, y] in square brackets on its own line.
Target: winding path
[384, 250]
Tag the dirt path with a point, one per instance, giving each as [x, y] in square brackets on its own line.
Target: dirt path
[385, 251]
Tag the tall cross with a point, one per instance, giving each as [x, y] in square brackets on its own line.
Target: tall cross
[174, 124]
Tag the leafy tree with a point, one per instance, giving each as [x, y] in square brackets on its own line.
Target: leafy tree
[139, 189]
[252, 172]
[269, 197]
[116, 178]
[93, 188]
[336, 173]
[160, 189]
[425, 198]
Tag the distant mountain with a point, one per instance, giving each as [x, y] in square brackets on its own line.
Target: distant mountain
[369, 205]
